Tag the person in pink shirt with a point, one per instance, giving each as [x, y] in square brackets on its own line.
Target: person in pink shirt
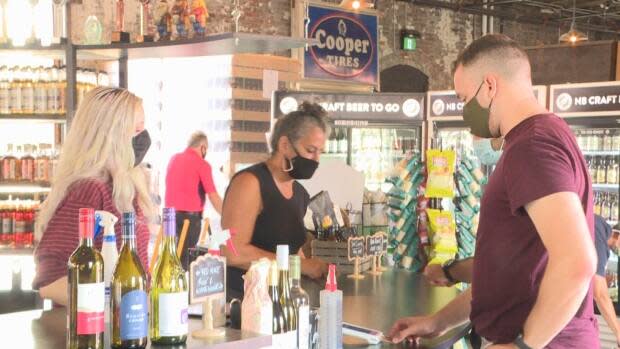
[189, 179]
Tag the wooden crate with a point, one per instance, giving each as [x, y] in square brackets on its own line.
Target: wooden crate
[336, 253]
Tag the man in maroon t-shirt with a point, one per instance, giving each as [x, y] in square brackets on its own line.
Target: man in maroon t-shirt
[535, 256]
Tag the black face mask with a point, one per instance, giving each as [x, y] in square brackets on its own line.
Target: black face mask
[300, 167]
[203, 153]
[140, 143]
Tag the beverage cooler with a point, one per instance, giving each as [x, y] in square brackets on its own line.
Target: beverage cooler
[593, 112]
[370, 132]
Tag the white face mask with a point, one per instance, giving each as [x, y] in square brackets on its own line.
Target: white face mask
[485, 153]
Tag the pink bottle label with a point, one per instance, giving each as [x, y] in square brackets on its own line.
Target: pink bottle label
[89, 323]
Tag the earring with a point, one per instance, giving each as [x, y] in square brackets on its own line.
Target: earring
[290, 164]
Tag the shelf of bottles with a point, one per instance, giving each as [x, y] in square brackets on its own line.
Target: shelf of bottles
[17, 219]
[601, 149]
[375, 152]
[337, 145]
[27, 168]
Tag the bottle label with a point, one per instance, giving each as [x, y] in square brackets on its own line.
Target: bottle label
[20, 226]
[303, 327]
[90, 308]
[7, 226]
[134, 316]
[27, 98]
[173, 314]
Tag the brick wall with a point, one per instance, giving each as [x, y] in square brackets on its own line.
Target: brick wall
[444, 33]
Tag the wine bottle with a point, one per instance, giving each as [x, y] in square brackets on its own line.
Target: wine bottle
[169, 290]
[278, 323]
[284, 288]
[85, 322]
[301, 303]
[129, 305]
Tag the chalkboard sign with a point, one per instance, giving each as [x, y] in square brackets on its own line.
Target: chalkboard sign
[356, 247]
[374, 245]
[207, 278]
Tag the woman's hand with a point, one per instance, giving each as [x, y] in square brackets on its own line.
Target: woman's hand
[313, 268]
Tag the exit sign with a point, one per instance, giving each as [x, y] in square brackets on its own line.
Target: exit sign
[409, 39]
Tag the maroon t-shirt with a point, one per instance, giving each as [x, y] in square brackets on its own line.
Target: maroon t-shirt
[540, 158]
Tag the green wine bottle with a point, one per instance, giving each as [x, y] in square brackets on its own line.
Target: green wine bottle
[86, 306]
[129, 299]
[278, 323]
[169, 290]
[284, 288]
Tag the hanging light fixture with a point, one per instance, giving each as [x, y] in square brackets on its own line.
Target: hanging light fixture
[573, 35]
[357, 5]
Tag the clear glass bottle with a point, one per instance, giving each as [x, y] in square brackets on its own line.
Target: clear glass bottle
[601, 171]
[52, 91]
[597, 203]
[27, 91]
[284, 288]
[16, 90]
[612, 170]
[278, 320]
[301, 303]
[62, 89]
[5, 91]
[40, 91]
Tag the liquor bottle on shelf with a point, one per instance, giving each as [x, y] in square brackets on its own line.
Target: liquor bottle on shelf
[27, 164]
[53, 93]
[614, 208]
[607, 141]
[16, 90]
[597, 203]
[612, 170]
[9, 165]
[42, 165]
[601, 171]
[19, 225]
[278, 320]
[593, 166]
[605, 206]
[40, 91]
[129, 298]
[62, 88]
[27, 91]
[284, 288]
[615, 143]
[5, 91]
[85, 319]
[169, 290]
[330, 144]
[301, 303]
[6, 225]
[80, 86]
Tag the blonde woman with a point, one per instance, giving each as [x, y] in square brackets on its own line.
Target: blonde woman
[97, 169]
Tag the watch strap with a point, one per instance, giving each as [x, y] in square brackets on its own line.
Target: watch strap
[520, 343]
[446, 271]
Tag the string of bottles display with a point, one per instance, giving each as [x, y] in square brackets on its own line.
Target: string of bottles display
[26, 90]
[28, 164]
[606, 206]
[598, 139]
[603, 169]
[17, 223]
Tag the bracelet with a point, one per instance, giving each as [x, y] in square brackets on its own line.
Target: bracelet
[520, 343]
[446, 271]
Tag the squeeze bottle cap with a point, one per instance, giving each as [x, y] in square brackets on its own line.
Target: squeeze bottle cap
[331, 284]
[106, 220]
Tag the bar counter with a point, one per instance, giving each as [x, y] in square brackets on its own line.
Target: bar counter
[374, 302]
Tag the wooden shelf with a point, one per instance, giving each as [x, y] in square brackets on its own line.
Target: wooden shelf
[23, 188]
[39, 118]
[56, 51]
[215, 44]
[21, 251]
[608, 187]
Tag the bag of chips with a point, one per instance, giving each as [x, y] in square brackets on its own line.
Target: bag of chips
[442, 235]
[440, 165]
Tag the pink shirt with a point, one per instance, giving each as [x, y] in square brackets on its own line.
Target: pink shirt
[61, 238]
[188, 178]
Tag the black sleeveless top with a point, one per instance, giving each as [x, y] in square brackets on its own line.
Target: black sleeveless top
[281, 221]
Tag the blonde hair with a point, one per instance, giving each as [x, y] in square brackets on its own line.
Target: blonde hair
[197, 138]
[99, 146]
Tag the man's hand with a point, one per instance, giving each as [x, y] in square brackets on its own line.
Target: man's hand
[435, 275]
[417, 327]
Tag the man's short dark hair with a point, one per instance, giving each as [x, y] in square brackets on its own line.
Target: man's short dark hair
[492, 46]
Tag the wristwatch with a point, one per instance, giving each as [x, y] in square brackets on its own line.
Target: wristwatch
[520, 343]
[445, 267]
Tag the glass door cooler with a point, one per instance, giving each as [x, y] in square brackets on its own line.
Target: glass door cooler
[370, 132]
[593, 112]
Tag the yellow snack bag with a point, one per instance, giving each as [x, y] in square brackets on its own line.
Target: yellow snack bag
[440, 181]
[443, 236]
